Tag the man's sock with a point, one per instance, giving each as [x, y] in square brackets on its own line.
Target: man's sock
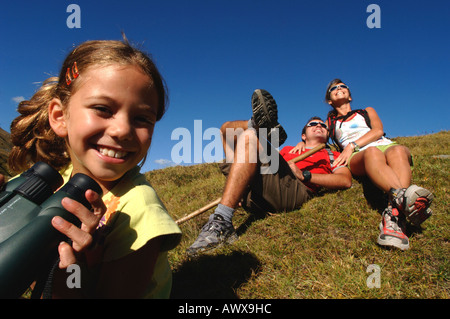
[225, 211]
[251, 123]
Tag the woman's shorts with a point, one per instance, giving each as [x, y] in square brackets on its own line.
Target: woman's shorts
[382, 148]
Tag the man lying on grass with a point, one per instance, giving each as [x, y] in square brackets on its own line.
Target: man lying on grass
[284, 189]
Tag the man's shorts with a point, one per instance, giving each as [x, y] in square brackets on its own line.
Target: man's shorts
[275, 193]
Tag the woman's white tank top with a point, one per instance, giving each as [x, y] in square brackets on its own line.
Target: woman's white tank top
[352, 129]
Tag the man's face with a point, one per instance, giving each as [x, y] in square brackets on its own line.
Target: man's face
[316, 130]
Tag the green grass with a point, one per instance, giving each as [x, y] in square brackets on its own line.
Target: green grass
[319, 251]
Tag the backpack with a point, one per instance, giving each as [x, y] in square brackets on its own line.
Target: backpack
[331, 122]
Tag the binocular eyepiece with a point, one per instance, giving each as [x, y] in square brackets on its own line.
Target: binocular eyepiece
[28, 241]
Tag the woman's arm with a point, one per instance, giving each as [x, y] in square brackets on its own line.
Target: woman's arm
[298, 149]
[376, 130]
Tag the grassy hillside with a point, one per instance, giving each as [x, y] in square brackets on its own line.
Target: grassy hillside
[319, 251]
[322, 250]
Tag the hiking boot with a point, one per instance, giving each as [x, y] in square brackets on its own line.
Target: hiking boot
[418, 218]
[265, 115]
[391, 232]
[414, 202]
[215, 233]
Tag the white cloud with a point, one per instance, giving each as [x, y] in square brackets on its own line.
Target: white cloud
[18, 99]
[164, 162]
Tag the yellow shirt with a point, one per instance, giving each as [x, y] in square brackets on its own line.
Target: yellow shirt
[135, 215]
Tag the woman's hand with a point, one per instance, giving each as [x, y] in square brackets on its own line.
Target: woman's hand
[82, 238]
[300, 147]
[342, 159]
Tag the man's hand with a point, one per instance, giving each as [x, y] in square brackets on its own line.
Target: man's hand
[297, 171]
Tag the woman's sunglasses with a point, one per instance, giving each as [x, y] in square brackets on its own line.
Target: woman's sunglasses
[342, 86]
[311, 124]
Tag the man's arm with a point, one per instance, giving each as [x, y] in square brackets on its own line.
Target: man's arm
[341, 178]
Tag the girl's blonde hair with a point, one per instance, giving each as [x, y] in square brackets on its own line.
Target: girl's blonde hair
[32, 137]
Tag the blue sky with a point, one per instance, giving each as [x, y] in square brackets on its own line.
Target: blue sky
[214, 54]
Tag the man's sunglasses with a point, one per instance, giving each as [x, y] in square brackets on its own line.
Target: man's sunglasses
[311, 124]
[342, 86]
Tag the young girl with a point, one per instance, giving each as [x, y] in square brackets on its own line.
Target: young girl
[97, 118]
[360, 138]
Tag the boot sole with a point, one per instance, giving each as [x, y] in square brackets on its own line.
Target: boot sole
[265, 114]
[418, 202]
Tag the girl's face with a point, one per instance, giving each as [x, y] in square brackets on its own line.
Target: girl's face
[109, 121]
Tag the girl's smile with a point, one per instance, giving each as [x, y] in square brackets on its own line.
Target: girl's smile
[111, 152]
[341, 91]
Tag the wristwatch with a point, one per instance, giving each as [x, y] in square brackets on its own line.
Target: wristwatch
[306, 176]
[355, 147]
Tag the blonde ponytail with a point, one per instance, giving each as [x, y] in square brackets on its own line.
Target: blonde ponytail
[32, 136]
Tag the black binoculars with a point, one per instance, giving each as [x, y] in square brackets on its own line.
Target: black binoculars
[28, 241]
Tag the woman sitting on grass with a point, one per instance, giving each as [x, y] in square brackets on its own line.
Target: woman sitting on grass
[367, 152]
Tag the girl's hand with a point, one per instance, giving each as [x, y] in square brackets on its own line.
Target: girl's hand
[300, 147]
[82, 238]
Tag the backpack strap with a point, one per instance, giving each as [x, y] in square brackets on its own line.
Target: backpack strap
[331, 123]
[330, 155]
[364, 114]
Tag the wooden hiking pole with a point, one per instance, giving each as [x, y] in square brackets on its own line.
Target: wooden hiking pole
[217, 201]
[308, 153]
[199, 211]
